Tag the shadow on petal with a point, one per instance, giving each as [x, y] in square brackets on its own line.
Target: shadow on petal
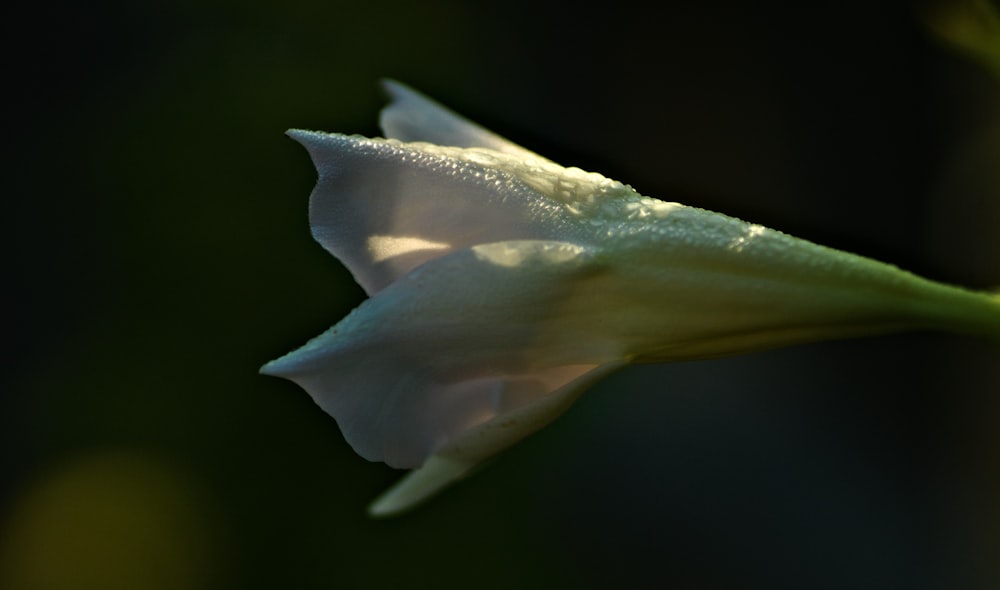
[462, 455]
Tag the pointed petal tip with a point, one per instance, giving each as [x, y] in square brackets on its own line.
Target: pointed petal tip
[326, 149]
[394, 88]
[304, 136]
[269, 369]
[279, 367]
[418, 486]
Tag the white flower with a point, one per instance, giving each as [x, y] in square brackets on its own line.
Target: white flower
[502, 285]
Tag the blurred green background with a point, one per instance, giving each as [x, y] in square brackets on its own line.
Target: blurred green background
[157, 231]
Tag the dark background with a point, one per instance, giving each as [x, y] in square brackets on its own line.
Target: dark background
[158, 253]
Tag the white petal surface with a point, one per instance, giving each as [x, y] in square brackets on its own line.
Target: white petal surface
[384, 207]
[421, 363]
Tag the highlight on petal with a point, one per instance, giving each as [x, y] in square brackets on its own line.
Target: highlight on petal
[412, 194]
[386, 247]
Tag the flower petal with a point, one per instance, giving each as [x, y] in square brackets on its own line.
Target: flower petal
[384, 207]
[456, 459]
[411, 116]
[416, 367]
